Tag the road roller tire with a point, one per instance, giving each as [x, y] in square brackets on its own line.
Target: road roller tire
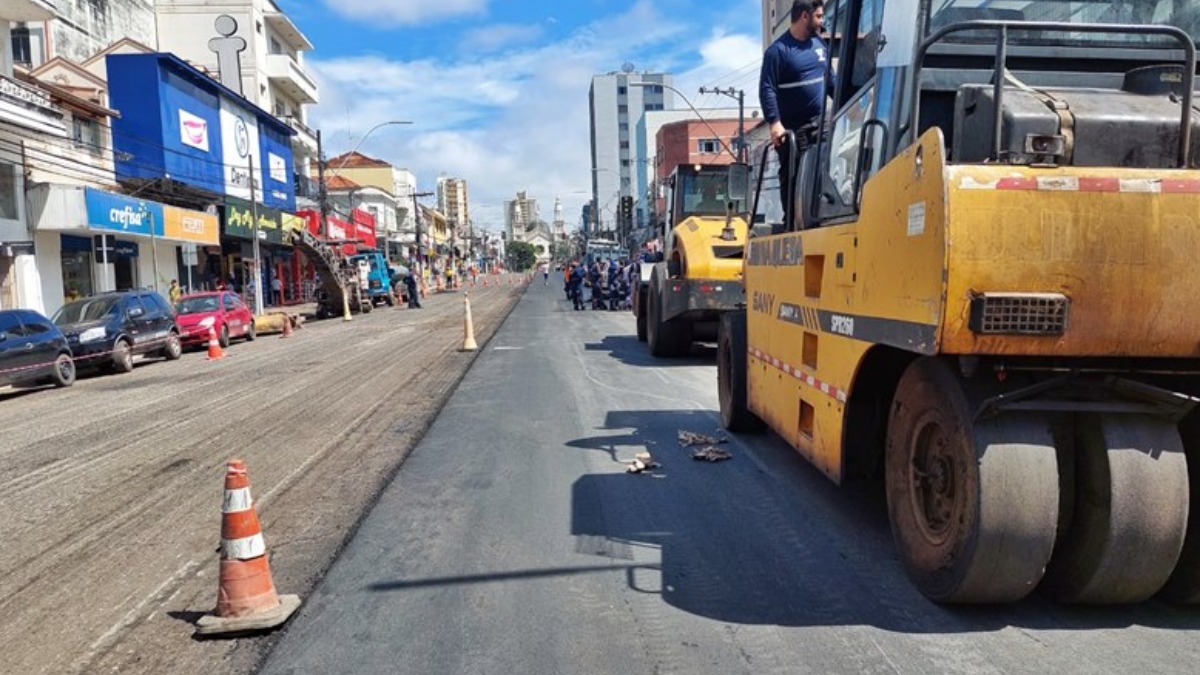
[666, 339]
[1129, 511]
[732, 363]
[1184, 584]
[973, 505]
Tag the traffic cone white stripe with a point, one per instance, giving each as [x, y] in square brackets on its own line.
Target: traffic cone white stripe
[244, 549]
[237, 501]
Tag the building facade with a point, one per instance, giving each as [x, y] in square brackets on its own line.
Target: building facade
[520, 217]
[452, 199]
[616, 103]
[691, 141]
[273, 74]
[399, 183]
[776, 18]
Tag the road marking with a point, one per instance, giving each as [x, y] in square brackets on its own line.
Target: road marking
[508, 349]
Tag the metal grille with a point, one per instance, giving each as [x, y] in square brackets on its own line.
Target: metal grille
[1019, 313]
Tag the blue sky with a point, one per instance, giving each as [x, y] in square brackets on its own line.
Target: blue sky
[497, 89]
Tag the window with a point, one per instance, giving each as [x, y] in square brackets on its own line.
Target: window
[623, 126]
[8, 191]
[28, 46]
[708, 146]
[276, 48]
[624, 162]
[657, 89]
[624, 145]
[654, 106]
[622, 108]
[621, 91]
[86, 133]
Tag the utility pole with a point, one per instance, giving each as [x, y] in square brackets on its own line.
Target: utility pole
[322, 192]
[258, 282]
[417, 220]
[740, 95]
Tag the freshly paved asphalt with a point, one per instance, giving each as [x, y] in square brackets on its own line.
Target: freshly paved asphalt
[512, 541]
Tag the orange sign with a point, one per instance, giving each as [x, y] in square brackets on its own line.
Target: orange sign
[193, 226]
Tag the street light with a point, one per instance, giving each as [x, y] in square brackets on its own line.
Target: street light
[364, 139]
[689, 104]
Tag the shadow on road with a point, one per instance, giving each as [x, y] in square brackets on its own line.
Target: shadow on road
[765, 539]
[627, 350]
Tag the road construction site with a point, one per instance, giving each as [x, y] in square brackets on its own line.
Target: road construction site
[112, 489]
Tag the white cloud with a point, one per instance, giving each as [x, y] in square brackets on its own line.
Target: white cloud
[500, 37]
[509, 121]
[405, 12]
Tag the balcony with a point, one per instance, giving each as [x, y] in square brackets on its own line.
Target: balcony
[285, 73]
[287, 30]
[26, 10]
[307, 188]
[306, 138]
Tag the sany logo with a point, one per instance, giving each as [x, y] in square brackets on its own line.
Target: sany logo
[193, 130]
[126, 217]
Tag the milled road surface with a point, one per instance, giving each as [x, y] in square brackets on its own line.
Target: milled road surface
[512, 541]
[111, 490]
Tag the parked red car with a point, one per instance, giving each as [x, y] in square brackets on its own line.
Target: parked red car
[222, 311]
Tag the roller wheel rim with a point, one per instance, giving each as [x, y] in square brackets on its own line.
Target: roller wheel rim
[973, 504]
[936, 477]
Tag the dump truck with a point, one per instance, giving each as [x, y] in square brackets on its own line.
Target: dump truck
[984, 295]
[344, 279]
[680, 299]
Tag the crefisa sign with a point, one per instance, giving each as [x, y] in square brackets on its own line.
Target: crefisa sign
[176, 121]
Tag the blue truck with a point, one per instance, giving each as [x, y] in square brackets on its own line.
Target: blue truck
[378, 276]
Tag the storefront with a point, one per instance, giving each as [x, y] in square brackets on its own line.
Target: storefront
[90, 241]
[279, 261]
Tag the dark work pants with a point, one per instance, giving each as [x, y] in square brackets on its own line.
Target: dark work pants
[806, 136]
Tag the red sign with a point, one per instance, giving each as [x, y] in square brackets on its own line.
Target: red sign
[362, 231]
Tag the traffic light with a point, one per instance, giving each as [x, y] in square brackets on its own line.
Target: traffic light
[627, 210]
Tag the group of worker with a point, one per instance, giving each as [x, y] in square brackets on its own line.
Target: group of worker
[610, 282]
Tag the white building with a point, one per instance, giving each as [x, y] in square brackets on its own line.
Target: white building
[273, 72]
[452, 199]
[616, 108]
[520, 217]
[24, 113]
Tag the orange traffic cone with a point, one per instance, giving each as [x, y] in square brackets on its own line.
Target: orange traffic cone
[287, 327]
[215, 353]
[246, 597]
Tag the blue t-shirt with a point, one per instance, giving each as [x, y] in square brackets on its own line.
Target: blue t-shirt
[796, 77]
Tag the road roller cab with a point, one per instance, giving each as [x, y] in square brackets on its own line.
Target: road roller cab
[985, 295]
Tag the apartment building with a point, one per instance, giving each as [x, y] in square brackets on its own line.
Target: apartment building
[273, 75]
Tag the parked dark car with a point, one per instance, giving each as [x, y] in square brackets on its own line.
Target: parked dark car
[108, 330]
[32, 349]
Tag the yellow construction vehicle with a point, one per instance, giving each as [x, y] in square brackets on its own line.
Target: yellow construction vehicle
[680, 298]
[985, 291]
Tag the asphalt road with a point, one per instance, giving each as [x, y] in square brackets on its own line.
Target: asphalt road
[111, 490]
[512, 541]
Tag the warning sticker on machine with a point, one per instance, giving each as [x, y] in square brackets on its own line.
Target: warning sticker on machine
[916, 219]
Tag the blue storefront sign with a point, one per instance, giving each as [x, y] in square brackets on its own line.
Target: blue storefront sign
[118, 213]
[180, 122]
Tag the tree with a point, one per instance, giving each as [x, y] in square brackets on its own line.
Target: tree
[521, 256]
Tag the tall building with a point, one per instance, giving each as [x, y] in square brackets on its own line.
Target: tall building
[452, 199]
[273, 74]
[616, 107]
[520, 217]
[776, 17]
